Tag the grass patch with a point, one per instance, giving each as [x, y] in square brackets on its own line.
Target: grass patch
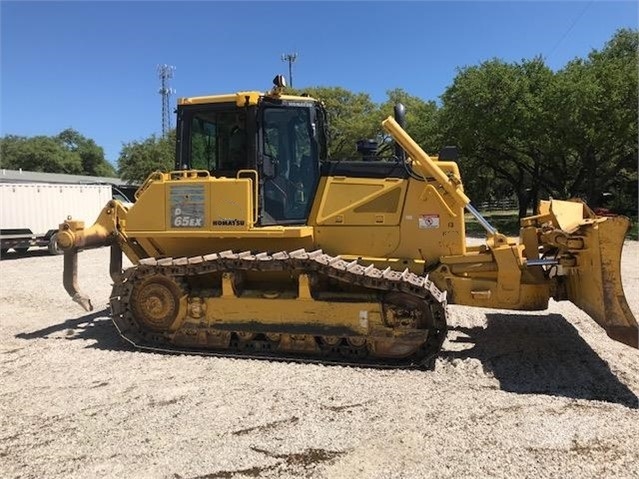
[506, 222]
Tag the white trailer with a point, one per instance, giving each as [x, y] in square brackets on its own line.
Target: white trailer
[31, 212]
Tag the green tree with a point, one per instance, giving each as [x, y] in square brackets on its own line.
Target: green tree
[351, 117]
[570, 133]
[594, 105]
[138, 159]
[91, 155]
[68, 152]
[495, 113]
[38, 153]
[421, 119]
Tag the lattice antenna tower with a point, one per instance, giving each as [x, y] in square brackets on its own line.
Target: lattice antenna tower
[165, 72]
[290, 58]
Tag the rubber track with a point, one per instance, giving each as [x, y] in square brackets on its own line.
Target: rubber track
[318, 262]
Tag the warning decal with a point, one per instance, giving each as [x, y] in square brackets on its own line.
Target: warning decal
[428, 221]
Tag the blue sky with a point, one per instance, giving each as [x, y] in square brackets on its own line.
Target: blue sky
[91, 66]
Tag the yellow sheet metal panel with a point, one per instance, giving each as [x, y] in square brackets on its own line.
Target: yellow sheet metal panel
[227, 98]
[568, 215]
[230, 204]
[378, 241]
[431, 226]
[276, 311]
[389, 217]
[149, 211]
[361, 201]
[192, 204]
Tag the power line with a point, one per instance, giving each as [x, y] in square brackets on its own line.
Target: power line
[165, 72]
[290, 58]
[572, 25]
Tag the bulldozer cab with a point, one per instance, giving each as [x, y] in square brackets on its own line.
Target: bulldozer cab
[277, 141]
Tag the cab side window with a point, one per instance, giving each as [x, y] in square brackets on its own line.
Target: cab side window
[203, 144]
[218, 141]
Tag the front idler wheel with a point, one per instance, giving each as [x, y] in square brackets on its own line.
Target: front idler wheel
[412, 320]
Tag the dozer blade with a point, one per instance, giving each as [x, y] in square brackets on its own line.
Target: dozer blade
[595, 284]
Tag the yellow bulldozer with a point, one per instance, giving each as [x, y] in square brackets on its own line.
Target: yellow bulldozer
[258, 245]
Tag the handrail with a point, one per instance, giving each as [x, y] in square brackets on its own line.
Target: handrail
[252, 173]
[150, 179]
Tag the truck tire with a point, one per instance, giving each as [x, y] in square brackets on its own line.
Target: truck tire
[22, 250]
[53, 245]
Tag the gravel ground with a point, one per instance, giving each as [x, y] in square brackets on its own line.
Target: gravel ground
[542, 394]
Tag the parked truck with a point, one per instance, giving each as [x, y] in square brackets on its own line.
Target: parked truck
[30, 212]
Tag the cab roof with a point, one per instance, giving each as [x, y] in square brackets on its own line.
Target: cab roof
[242, 98]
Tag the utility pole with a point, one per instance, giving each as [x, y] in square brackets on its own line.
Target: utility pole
[165, 72]
[290, 58]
